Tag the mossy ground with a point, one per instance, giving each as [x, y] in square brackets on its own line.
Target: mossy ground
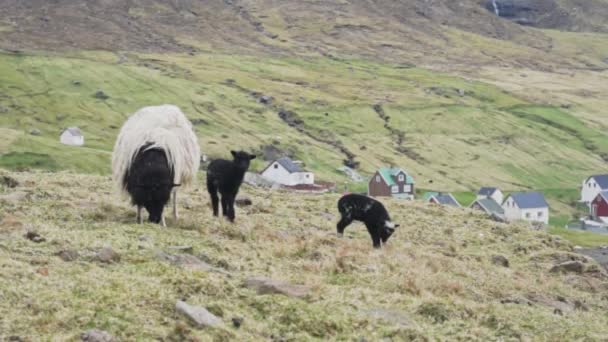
[436, 271]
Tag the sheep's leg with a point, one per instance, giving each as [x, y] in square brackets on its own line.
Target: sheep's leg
[345, 221]
[224, 205]
[230, 204]
[212, 189]
[140, 219]
[175, 216]
[162, 220]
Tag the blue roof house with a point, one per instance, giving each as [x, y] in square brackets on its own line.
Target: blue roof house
[526, 206]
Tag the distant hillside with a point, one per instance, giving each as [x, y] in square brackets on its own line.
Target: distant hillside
[415, 31]
[453, 93]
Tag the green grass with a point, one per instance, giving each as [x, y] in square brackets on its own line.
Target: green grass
[436, 272]
[465, 198]
[462, 141]
[580, 238]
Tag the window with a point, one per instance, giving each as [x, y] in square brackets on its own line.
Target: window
[401, 178]
[528, 215]
[276, 166]
[540, 214]
[407, 188]
[307, 176]
[377, 179]
[395, 189]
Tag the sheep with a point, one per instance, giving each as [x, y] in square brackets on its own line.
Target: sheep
[155, 152]
[369, 211]
[226, 177]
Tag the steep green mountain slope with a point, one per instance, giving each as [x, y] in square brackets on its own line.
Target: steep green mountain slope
[448, 131]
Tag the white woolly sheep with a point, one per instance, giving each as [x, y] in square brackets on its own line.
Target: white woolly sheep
[149, 177]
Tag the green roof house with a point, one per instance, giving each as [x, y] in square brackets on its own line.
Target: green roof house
[391, 182]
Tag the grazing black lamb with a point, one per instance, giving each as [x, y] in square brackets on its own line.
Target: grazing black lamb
[150, 183]
[226, 177]
[369, 211]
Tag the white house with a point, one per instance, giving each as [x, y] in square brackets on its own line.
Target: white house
[488, 192]
[592, 186]
[284, 171]
[72, 136]
[527, 206]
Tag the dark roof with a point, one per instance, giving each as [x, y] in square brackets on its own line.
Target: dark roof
[601, 180]
[490, 206]
[74, 131]
[446, 199]
[527, 200]
[289, 165]
[486, 191]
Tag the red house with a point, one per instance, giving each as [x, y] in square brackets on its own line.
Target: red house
[599, 206]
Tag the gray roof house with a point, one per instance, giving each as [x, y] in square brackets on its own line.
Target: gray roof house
[444, 199]
[486, 191]
[489, 206]
[527, 206]
[528, 200]
[284, 171]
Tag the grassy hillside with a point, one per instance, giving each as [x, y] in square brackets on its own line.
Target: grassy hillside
[441, 277]
[448, 131]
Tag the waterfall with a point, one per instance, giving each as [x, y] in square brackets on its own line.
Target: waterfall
[495, 8]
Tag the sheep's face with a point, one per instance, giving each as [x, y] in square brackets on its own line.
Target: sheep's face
[242, 159]
[389, 229]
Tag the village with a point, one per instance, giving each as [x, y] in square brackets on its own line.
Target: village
[395, 182]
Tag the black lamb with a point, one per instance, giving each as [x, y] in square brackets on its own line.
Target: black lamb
[369, 211]
[226, 177]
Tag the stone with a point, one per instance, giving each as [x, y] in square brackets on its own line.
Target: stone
[395, 317]
[181, 248]
[237, 321]
[265, 99]
[35, 132]
[568, 267]
[190, 262]
[199, 315]
[107, 255]
[95, 335]
[35, 237]
[43, 271]
[500, 260]
[264, 285]
[68, 255]
[76, 82]
[101, 95]
[243, 201]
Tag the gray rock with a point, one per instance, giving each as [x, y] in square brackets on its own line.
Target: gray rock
[569, 267]
[68, 255]
[243, 201]
[265, 99]
[107, 255]
[237, 321]
[264, 285]
[190, 262]
[396, 317]
[95, 335]
[500, 260]
[35, 131]
[101, 95]
[9, 182]
[199, 315]
[76, 82]
[181, 248]
[34, 236]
